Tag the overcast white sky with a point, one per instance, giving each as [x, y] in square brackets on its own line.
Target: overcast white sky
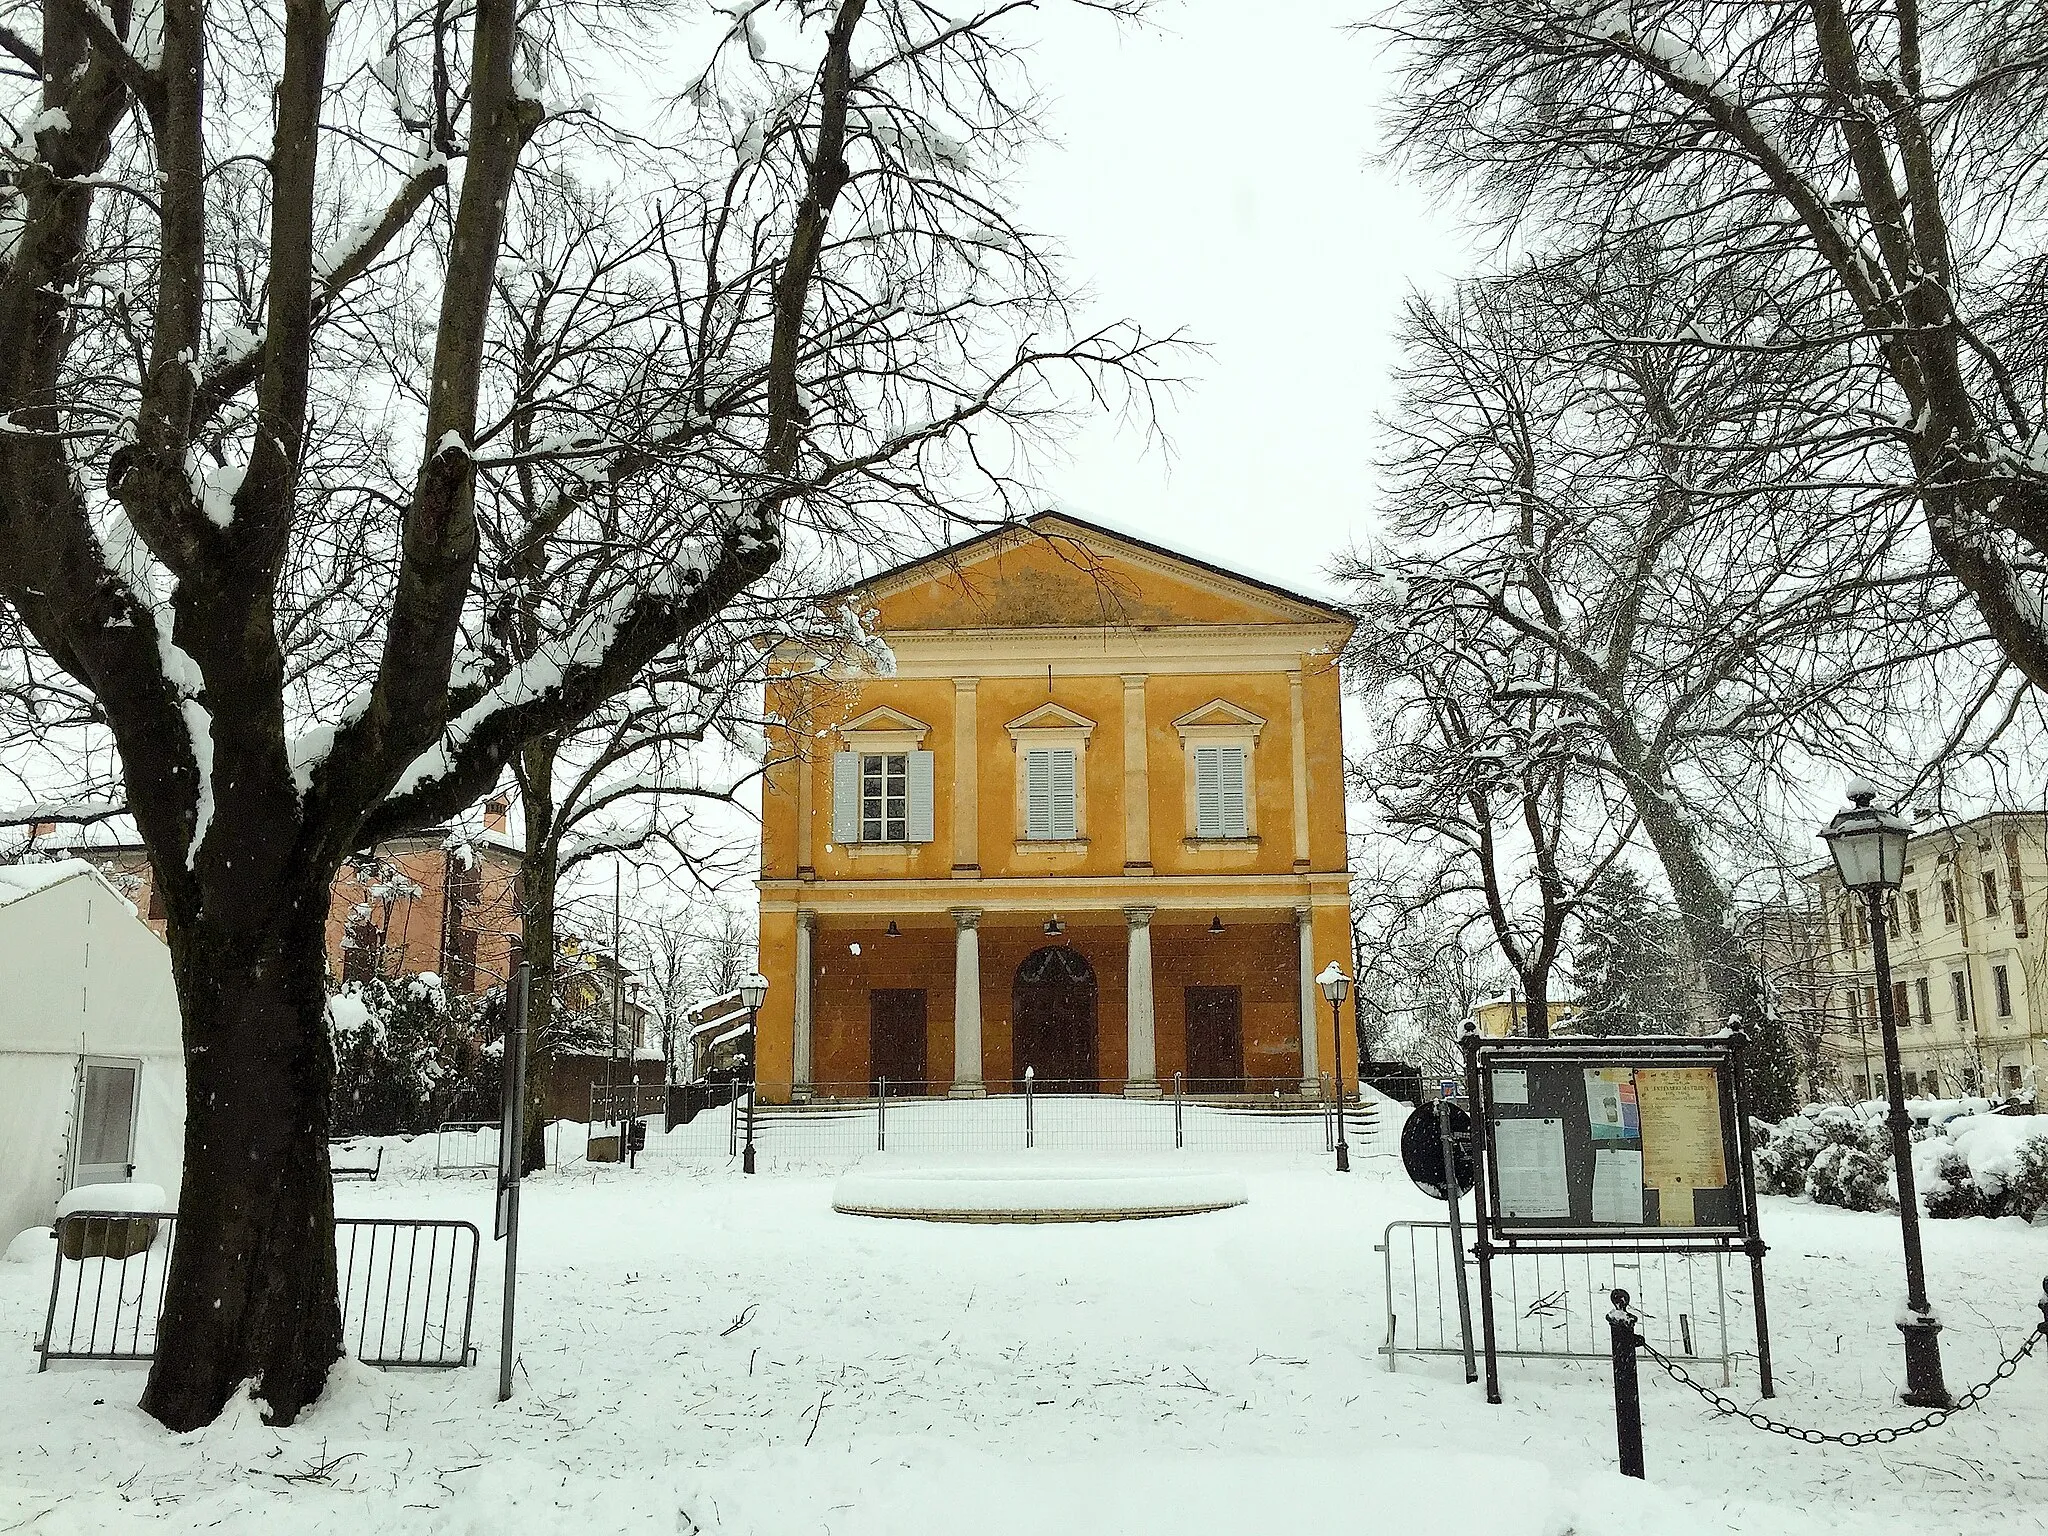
[1213, 173]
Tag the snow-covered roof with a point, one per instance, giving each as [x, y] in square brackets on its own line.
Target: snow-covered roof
[21, 880]
[715, 1022]
[731, 1034]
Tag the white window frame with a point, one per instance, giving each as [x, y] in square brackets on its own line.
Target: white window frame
[885, 732]
[1219, 724]
[1051, 728]
[878, 772]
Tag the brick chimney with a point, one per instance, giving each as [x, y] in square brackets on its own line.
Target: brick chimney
[495, 812]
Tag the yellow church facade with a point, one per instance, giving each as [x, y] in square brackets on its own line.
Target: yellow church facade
[1089, 826]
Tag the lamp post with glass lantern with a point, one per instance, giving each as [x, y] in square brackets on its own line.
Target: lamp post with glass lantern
[1336, 985]
[1869, 848]
[752, 992]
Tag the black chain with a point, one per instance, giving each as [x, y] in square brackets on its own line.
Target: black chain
[1886, 1436]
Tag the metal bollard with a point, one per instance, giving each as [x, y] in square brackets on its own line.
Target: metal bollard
[881, 1114]
[1030, 1122]
[1628, 1397]
[1178, 1141]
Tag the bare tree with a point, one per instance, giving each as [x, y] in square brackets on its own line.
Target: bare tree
[1479, 764]
[1872, 172]
[224, 520]
[1645, 518]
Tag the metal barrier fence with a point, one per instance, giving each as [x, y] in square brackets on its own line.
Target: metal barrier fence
[843, 1122]
[613, 1102]
[1551, 1305]
[408, 1288]
[466, 1146]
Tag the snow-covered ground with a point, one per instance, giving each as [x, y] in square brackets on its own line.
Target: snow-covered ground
[702, 1352]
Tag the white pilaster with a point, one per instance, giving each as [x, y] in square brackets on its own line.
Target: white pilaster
[1142, 1075]
[1137, 780]
[967, 1083]
[966, 779]
[1311, 1074]
[800, 1072]
[1300, 735]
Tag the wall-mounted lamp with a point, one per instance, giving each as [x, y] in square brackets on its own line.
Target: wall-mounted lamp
[1215, 926]
[894, 932]
[1054, 927]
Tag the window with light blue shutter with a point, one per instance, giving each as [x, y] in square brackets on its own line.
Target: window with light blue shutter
[918, 809]
[1050, 811]
[1219, 792]
[845, 797]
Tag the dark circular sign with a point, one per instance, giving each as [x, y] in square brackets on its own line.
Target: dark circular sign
[1422, 1149]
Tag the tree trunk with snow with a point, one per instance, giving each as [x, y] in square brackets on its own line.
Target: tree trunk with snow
[253, 1294]
[241, 515]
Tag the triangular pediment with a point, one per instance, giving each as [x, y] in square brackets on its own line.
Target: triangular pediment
[884, 720]
[1220, 714]
[1055, 571]
[1051, 717]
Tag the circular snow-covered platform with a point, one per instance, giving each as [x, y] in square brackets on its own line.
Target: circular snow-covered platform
[1034, 1194]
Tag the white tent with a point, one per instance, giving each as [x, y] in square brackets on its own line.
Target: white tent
[92, 1071]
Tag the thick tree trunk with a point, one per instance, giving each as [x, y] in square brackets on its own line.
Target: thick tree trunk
[252, 1292]
[538, 870]
[1734, 987]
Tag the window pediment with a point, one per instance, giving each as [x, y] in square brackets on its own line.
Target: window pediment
[1220, 720]
[1051, 717]
[884, 729]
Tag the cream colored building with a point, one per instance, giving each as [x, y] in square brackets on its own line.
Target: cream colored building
[1968, 932]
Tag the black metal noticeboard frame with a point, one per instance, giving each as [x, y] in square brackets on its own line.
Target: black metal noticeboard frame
[1589, 1172]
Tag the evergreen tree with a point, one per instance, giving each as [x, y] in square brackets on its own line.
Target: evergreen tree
[1627, 967]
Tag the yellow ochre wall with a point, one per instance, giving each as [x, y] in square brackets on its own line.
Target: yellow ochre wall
[966, 623]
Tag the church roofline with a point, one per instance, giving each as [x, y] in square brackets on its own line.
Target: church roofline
[1040, 522]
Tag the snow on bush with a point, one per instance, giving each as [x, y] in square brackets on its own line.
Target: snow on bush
[1783, 1159]
[1837, 1156]
[1947, 1188]
[2007, 1159]
[406, 1056]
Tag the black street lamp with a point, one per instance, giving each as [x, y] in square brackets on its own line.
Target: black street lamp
[752, 991]
[1336, 985]
[1869, 848]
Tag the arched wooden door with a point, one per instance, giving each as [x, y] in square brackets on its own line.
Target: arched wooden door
[1052, 1017]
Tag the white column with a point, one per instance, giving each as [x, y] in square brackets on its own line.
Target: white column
[1142, 1076]
[806, 932]
[967, 1082]
[1311, 1077]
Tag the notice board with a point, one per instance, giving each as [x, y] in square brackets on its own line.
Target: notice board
[1616, 1136]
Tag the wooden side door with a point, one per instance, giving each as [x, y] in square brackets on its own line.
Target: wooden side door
[1215, 1037]
[896, 1039]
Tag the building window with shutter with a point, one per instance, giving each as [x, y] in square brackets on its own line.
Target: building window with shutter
[1959, 995]
[1913, 910]
[1051, 743]
[1922, 1000]
[884, 797]
[1221, 743]
[882, 784]
[2001, 987]
[1049, 794]
[1219, 792]
[1948, 902]
[1902, 1004]
[1990, 894]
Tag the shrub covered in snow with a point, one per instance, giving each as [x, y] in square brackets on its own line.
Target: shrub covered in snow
[405, 1057]
[1784, 1157]
[1949, 1191]
[2026, 1186]
[1852, 1168]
